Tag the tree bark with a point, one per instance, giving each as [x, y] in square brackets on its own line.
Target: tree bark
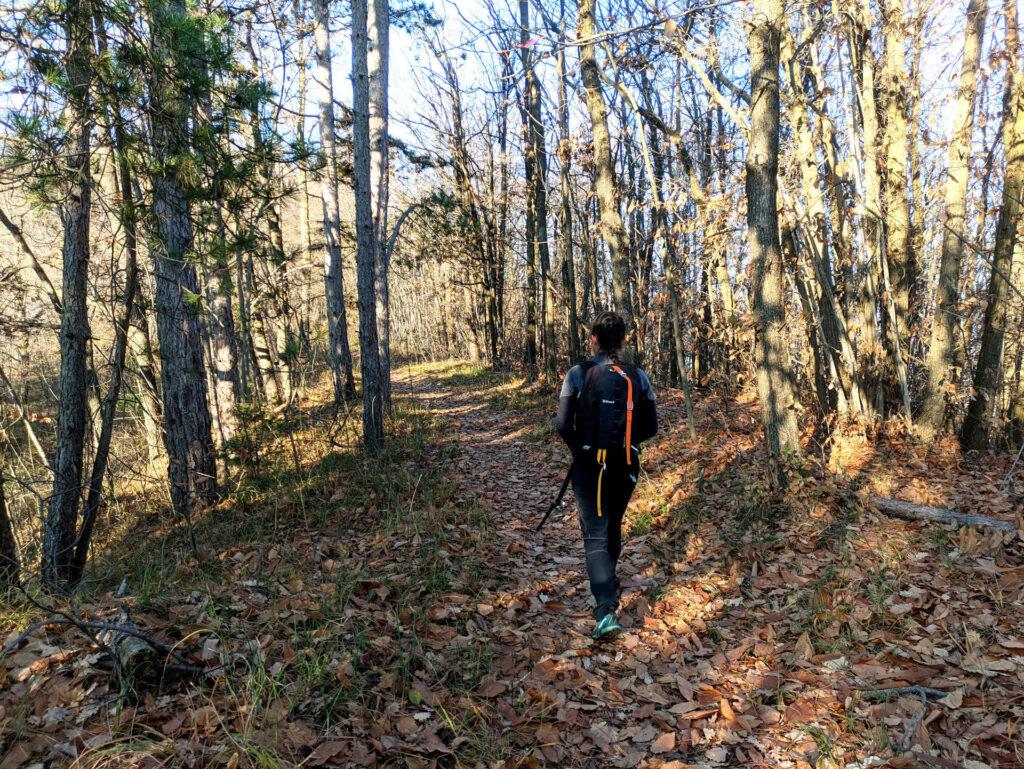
[121, 334]
[226, 387]
[73, 410]
[564, 164]
[10, 573]
[334, 279]
[378, 34]
[863, 57]
[841, 373]
[187, 424]
[775, 382]
[987, 373]
[128, 215]
[901, 259]
[940, 352]
[302, 147]
[366, 235]
[536, 182]
[610, 225]
[146, 380]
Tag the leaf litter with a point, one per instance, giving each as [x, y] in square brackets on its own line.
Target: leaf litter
[801, 630]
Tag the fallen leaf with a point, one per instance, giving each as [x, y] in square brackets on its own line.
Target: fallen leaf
[325, 751]
[803, 647]
[492, 688]
[665, 742]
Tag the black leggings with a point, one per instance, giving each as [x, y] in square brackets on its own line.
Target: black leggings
[602, 534]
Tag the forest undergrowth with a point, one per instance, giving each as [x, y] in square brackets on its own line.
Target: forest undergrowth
[397, 609]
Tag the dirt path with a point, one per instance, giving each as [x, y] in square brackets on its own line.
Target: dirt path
[600, 704]
[504, 467]
[757, 633]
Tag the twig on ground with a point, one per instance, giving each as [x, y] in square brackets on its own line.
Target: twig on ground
[899, 691]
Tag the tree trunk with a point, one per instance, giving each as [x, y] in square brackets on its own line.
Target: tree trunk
[537, 185]
[378, 32]
[73, 411]
[610, 227]
[530, 223]
[775, 382]
[901, 260]
[366, 236]
[262, 345]
[871, 196]
[224, 348]
[334, 279]
[987, 373]
[248, 377]
[302, 147]
[129, 224]
[911, 512]
[146, 380]
[187, 425]
[9, 570]
[815, 232]
[128, 215]
[940, 352]
[564, 164]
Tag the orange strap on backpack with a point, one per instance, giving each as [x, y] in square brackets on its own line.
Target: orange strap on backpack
[629, 414]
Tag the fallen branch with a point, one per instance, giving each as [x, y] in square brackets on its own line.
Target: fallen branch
[124, 644]
[912, 512]
[924, 692]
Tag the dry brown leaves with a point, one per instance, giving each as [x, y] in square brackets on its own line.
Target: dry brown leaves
[759, 631]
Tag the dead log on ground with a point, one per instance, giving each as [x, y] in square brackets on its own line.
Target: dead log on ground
[912, 512]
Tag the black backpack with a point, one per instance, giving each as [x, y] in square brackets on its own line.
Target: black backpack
[607, 403]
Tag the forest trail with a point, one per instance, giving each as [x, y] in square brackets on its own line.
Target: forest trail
[753, 636]
[504, 466]
[613, 702]
[399, 610]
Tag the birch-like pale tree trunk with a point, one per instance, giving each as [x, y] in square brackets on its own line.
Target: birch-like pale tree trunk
[223, 354]
[863, 59]
[940, 352]
[533, 130]
[902, 261]
[377, 60]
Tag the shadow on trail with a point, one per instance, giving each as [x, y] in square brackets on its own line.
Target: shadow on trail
[736, 599]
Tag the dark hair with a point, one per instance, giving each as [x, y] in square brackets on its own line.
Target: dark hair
[610, 330]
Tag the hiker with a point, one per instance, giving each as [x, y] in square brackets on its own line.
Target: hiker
[606, 408]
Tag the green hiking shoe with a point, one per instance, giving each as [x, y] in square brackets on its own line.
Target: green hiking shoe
[606, 626]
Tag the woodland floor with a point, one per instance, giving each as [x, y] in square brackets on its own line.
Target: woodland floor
[399, 610]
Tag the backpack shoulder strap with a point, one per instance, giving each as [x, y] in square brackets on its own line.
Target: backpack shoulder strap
[585, 367]
[628, 374]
